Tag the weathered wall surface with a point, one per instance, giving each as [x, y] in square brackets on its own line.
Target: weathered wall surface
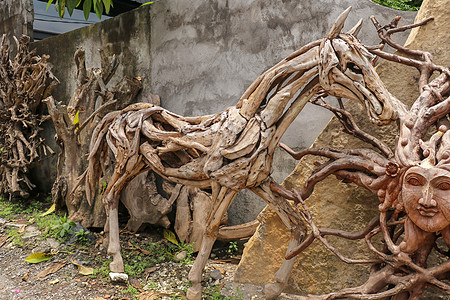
[206, 53]
[16, 18]
[200, 56]
[333, 203]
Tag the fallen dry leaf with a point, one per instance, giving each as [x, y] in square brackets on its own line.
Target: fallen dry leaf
[148, 271]
[22, 229]
[84, 270]
[52, 269]
[143, 251]
[26, 276]
[135, 282]
[221, 270]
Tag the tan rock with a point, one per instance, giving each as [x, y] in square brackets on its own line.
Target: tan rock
[335, 204]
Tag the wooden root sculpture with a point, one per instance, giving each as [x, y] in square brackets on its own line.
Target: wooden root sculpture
[74, 122]
[412, 183]
[24, 82]
[233, 150]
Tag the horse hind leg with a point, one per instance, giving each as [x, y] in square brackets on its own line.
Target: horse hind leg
[273, 289]
[287, 214]
[220, 206]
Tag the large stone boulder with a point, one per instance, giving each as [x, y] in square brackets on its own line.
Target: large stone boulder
[335, 204]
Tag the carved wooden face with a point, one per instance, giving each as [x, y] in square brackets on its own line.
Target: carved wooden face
[345, 70]
[426, 197]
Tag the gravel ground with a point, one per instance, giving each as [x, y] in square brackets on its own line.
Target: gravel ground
[19, 279]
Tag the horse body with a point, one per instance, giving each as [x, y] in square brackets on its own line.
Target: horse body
[233, 150]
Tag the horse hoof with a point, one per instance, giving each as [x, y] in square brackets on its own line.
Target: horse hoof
[194, 292]
[273, 290]
[116, 265]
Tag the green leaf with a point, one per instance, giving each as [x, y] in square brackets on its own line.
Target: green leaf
[48, 4]
[76, 120]
[38, 257]
[147, 3]
[107, 5]
[98, 7]
[49, 211]
[170, 236]
[61, 8]
[87, 5]
[71, 4]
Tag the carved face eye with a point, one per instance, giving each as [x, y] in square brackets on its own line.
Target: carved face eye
[414, 181]
[443, 186]
[354, 68]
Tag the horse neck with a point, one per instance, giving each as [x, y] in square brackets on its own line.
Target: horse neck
[270, 93]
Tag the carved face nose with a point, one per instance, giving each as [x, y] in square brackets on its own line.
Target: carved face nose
[427, 199]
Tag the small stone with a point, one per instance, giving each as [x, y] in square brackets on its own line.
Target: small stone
[53, 243]
[180, 256]
[215, 274]
[118, 277]
[213, 255]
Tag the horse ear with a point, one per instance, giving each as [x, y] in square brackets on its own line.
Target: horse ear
[355, 30]
[338, 24]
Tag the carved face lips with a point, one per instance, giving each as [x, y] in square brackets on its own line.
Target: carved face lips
[346, 71]
[426, 197]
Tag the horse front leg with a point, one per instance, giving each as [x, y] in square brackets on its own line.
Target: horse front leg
[220, 206]
[292, 219]
[112, 227]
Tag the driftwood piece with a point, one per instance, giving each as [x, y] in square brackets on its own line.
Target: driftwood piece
[25, 80]
[412, 183]
[233, 150]
[135, 198]
[74, 124]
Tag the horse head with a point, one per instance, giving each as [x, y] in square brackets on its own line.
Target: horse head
[346, 71]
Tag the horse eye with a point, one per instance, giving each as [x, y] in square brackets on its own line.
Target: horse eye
[354, 68]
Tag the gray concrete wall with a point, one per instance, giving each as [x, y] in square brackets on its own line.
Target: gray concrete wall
[16, 18]
[200, 56]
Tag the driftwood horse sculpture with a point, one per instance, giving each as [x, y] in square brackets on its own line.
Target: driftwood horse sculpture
[233, 150]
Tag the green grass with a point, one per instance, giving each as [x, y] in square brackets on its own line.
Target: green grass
[214, 293]
[32, 211]
[135, 261]
[130, 291]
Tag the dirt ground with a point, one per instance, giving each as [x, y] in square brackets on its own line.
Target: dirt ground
[23, 280]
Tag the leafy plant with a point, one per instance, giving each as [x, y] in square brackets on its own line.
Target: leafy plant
[400, 4]
[82, 237]
[232, 248]
[99, 6]
[63, 228]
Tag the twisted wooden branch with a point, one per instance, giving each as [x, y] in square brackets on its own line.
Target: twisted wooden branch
[24, 82]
